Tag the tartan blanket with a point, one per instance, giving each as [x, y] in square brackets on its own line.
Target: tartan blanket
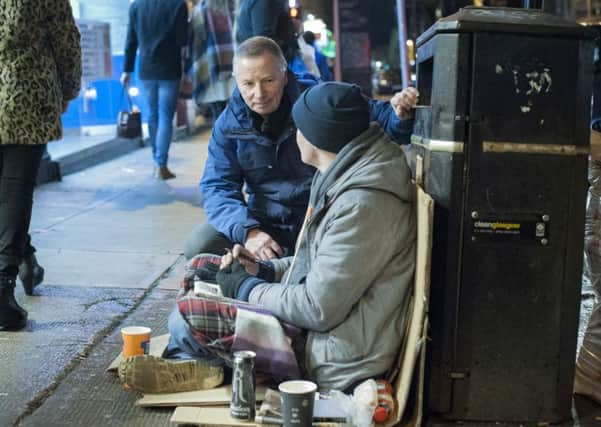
[223, 326]
[211, 45]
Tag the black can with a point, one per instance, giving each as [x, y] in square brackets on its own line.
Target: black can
[242, 405]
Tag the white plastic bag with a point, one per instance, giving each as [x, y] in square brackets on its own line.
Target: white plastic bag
[361, 405]
[588, 366]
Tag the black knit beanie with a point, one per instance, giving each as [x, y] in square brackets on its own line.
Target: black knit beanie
[331, 114]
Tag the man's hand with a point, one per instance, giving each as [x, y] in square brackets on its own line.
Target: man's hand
[404, 101]
[243, 256]
[231, 278]
[262, 245]
[125, 78]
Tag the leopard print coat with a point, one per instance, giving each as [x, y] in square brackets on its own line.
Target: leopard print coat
[40, 68]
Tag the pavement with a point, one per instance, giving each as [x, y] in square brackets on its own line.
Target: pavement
[110, 238]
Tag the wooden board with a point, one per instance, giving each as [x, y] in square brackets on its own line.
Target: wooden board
[157, 345]
[213, 397]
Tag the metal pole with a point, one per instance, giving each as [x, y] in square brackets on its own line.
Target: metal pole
[338, 38]
[402, 25]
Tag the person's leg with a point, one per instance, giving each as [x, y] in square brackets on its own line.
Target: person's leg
[168, 92]
[151, 90]
[18, 170]
[205, 239]
[183, 346]
[31, 272]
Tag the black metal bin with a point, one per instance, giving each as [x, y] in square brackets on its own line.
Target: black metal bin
[502, 138]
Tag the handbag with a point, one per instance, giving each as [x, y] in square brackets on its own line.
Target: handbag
[186, 87]
[129, 122]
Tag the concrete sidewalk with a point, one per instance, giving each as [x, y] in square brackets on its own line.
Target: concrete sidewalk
[110, 238]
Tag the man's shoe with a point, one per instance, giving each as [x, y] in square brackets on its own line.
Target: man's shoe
[163, 173]
[150, 374]
[12, 315]
[30, 273]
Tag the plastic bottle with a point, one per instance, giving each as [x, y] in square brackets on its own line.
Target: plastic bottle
[385, 401]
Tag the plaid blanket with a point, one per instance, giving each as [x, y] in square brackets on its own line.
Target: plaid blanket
[223, 326]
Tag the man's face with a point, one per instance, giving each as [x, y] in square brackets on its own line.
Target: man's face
[307, 150]
[261, 82]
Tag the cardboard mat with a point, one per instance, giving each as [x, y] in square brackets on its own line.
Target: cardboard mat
[212, 397]
[413, 349]
[208, 417]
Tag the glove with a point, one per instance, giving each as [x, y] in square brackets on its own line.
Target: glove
[231, 278]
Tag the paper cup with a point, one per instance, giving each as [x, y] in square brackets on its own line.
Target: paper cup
[298, 398]
[136, 340]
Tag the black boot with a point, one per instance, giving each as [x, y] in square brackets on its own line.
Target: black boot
[12, 316]
[30, 273]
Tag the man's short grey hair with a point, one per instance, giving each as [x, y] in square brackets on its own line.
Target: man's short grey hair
[259, 46]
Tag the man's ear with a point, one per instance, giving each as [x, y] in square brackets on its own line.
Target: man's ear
[285, 77]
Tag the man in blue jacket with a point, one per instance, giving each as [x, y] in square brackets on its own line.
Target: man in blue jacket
[255, 188]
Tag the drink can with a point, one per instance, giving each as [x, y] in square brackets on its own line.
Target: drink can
[242, 405]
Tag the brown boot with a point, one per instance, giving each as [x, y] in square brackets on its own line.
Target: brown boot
[162, 172]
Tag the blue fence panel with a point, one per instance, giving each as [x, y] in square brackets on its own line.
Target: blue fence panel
[102, 109]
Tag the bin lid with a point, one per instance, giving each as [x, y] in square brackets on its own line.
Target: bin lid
[507, 20]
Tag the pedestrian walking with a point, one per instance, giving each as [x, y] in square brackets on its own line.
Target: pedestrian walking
[159, 30]
[320, 59]
[40, 72]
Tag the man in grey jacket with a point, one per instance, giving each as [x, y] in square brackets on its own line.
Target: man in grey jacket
[349, 282]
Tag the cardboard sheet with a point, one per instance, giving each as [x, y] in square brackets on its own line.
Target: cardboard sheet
[595, 141]
[207, 417]
[157, 345]
[415, 342]
[213, 397]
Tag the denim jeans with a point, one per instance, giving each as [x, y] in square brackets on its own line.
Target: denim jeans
[18, 171]
[162, 100]
[182, 344]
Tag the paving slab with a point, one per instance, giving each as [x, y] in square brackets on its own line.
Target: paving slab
[105, 268]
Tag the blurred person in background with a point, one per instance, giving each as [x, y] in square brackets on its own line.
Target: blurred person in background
[320, 58]
[211, 54]
[159, 30]
[40, 72]
[267, 18]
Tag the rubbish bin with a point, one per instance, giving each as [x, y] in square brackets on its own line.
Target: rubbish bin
[501, 138]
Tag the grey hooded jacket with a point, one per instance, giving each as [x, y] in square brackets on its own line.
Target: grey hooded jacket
[351, 281]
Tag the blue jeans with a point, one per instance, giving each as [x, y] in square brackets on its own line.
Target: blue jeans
[162, 101]
[182, 344]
